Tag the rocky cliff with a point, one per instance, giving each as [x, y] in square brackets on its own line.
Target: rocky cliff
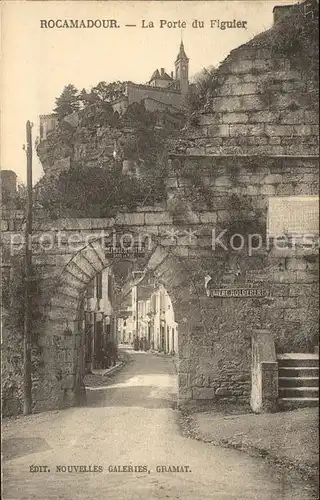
[132, 145]
[96, 135]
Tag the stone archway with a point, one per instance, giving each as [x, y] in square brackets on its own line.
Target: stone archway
[63, 335]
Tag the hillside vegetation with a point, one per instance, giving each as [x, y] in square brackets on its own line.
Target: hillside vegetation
[83, 157]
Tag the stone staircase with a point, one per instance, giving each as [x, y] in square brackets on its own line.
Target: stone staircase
[298, 380]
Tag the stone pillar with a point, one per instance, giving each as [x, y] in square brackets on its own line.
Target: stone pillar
[264, 389]
[68, 370]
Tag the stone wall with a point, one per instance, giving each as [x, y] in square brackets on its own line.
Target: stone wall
[214, 333]
[137, 93]
[257, 177]
[11, 368]
[220, 366]
[263, 102]
[215, 361]
[257, 139]
[233, 182]
[12, 313]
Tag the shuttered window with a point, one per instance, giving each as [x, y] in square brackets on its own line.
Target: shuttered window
[99, 286]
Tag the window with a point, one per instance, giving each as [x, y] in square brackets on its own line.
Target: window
[154, 303]
[99, 286]
[110, 294]
[90, 290]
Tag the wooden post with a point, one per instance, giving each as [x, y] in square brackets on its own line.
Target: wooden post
[27, 367]
[137, 313]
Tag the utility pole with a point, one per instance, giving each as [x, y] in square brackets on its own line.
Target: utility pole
[137, 313]
[27, 367]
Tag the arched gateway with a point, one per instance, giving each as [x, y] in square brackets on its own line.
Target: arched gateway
[62, 335]
[257, 288]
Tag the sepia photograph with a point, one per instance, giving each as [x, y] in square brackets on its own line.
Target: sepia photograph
[159, 249]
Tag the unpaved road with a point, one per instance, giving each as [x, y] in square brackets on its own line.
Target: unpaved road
[131, 421]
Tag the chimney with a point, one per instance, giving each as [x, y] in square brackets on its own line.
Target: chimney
[280, 12]
[162, 71]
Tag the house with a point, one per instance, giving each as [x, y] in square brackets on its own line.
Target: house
[163, 92]
[152, 317]
[48, 123]
[99, 318]
[165, 334]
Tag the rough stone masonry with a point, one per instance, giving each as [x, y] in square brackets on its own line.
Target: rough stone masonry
[257, 139]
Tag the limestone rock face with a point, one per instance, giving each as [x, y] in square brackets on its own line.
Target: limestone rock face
[51, 150]
[95, 148]
[82, 145]
[94, 145]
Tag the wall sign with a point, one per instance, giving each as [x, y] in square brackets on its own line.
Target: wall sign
[123, 251]
[238, 292]
[241, 289]
[297, 215]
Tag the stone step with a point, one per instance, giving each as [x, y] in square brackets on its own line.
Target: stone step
[298, 371]
[294, 403]
[298, 359]
[298, 392]
[298, 382]
[298, 355]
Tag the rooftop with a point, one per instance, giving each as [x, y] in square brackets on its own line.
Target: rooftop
[182, 54]
[160, 75]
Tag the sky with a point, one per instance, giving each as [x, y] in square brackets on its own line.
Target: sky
[38, 62]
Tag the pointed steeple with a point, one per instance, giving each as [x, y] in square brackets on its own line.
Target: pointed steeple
[182, 69]
[182, 54]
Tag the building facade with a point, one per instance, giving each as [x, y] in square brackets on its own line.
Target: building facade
[163, 92]
[100, 323]
[164, 327]
[48, 123]
[152, 317]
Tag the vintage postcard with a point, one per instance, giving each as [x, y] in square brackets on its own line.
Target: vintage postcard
[159, 250]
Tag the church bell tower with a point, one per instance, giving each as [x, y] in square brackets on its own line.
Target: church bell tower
[182, 70]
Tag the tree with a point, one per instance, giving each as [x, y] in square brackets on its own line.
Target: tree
[109, 92]
[97, 114]
[139, 117]
[68, 102]
[200, 93]
[87, 98]
[88, 191]
[21, 197]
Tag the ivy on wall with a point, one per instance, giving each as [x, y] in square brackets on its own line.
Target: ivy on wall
[297, 39]
[196, 177]
[198, 193]
[244, 216]
[13, 310]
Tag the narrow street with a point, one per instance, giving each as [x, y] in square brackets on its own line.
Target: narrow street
[131, 421]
